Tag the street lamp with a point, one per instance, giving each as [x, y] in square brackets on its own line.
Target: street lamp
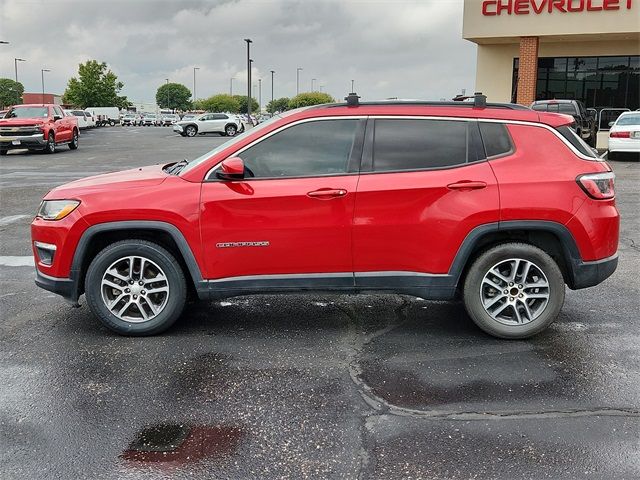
[3, 42]
[42, 75]
[312, 81]
[351, 86]
[231, 86]
[249, 41]
[15, 62]
[272, 72]
[194, 83]
[259, 95]
[298, 80]
[168, 106]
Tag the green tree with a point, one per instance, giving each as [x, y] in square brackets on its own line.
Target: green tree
[223, 102]
[310, 98]
[174, 96]
[278, 105]
[10, 92]
[242, 100]
[96, 86]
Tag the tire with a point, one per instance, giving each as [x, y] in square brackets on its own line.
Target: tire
[4, 152]
[74, 141]
[520, 316]
[191, 130]
[112, 124]
[230, 130]
[51, 144]
[127, 315]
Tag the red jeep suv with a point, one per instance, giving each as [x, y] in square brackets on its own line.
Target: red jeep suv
[499, 203]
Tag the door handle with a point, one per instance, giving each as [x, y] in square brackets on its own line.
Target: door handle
[327, 193]
[466, 185]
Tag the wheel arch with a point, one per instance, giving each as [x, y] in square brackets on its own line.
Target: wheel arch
[552, 237]
[97, 237]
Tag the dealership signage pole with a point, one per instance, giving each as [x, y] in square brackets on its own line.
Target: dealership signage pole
[272, 72]
[42, 74]
[15, 61]
[298, 80]
[248, 40]
[194, 83]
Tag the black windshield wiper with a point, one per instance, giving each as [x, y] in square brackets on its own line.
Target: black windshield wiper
[176, 167]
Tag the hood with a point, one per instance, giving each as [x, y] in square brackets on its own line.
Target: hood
[21, 122]
[125, 179]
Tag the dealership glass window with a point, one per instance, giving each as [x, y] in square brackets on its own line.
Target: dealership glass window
[597, 81]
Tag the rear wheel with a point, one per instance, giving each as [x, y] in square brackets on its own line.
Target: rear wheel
[230, 130]
[514, 290]
[74, 140]
[136, 287]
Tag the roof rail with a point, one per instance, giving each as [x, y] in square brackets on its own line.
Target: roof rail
[427, 103]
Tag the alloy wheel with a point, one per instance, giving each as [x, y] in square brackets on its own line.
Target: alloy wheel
[515, 292]
[135, 289]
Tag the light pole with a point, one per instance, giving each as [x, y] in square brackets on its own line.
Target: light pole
[231, 86]
[249, 41]
[312, 82]
[168, 106]
[298, 80]
[259, 95]
[3, 42]
[351, 86]
[194, 83]
[321, 87]
[272, 72]
[42, 75]
[15, 62]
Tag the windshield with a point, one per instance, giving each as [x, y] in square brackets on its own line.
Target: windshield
[629, 120]
[28, 112]
[238, 139]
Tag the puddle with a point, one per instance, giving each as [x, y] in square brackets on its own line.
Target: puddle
[180, 444]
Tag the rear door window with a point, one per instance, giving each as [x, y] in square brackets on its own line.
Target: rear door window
[410, 144]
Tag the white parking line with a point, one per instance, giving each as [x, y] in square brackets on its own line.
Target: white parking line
[17, 261]
[10, 219]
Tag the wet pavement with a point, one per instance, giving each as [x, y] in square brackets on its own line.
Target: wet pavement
[308, 386]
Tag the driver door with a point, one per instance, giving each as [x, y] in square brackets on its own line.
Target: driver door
[289, 220]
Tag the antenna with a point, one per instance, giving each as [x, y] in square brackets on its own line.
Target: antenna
[352, 99]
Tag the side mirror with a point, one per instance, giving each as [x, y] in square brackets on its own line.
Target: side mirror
[57, 117]
[231, 169]
[611, 124]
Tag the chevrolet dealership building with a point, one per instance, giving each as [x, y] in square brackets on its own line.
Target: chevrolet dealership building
[543, 49]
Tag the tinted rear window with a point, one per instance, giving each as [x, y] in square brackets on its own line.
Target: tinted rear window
[419, 144]
[567, 108]
[576, 141]
[496, 139]
[540, 107]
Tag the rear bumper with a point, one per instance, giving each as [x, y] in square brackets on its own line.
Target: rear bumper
[65, 287]
[588, 274]
[23, 141]
[624, 145]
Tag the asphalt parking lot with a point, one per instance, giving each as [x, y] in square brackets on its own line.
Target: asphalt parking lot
[306, 386]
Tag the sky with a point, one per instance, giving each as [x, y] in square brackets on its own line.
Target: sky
[405, 49]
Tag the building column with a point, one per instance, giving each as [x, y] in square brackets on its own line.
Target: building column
[527, 70]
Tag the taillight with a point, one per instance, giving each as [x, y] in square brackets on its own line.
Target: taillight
[620, 134]
[598, 185]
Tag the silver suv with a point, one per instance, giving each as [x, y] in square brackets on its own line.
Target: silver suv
[223, 123]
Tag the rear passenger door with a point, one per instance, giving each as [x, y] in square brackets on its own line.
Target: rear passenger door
[424, 185]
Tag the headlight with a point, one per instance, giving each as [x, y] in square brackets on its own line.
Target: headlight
[56, 209]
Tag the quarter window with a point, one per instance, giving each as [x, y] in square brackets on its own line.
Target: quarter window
[496, 139]
[320, 147]
[419, 144]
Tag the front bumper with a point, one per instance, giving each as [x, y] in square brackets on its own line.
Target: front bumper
[35, 141]
[178, 128]
[588, 274]
[65, 287]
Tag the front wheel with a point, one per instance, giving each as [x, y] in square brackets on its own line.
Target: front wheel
[51, 143]
[136, 287]
[73, 145]
[191, 131]
[514, 291]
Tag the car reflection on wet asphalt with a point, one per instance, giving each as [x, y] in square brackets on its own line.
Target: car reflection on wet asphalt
[311, 386]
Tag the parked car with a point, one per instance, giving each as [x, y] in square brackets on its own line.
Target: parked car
[222, 123]
[105, 115]
[624, 134]
[90, 119]
[149, 120]
[169, 119]
[585, 122]
[37, 127]
[496, 203]
[82, 117]
[128, 119]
